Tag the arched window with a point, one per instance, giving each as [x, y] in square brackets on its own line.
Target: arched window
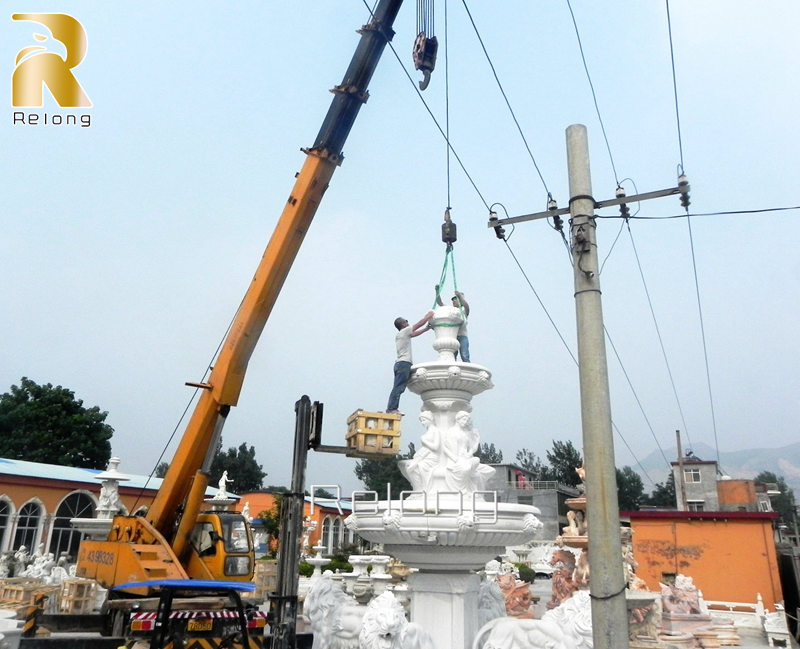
[5, 522]
[326, 535]
[27, 533]
[337, 533]
[65, 539]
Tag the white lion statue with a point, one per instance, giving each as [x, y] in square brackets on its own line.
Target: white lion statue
[568, 626]
[385, 627]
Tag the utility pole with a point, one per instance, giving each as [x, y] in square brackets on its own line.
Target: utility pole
[606, 577]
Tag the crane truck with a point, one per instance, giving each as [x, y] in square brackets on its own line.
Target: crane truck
[176, 538]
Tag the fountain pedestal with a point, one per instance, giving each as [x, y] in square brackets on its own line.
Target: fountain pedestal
[449, 525]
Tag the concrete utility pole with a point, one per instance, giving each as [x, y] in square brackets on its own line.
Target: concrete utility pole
[606, 577]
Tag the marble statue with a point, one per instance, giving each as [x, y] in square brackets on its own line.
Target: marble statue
[446, 461]
[567, 627]
[222, 492]
[385, 627]
[491, 602]
[680, 597]
[335, 617]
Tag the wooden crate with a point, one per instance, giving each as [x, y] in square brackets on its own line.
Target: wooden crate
[265, 579]
[374, 432]
[78, 596]
[21, 592]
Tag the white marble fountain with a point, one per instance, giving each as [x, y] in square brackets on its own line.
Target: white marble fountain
[449, 526]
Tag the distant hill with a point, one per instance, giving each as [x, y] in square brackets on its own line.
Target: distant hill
[746, 464]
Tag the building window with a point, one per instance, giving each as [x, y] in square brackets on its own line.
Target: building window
[326, 535]
[691, 475]
[337, 533]
[5, 517]
[695, 505]
[64, 539]
[28, 526]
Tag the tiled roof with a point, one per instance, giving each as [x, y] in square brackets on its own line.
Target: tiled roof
[76, 474]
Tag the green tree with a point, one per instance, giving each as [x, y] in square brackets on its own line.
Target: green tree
[42, 423]
[161, 469]
[242, 468]
[782, 503]
[376, 474]
[630, 489]
[488, 454]
[529, 461]
[271, 520]
[564, 459]
[663, 494]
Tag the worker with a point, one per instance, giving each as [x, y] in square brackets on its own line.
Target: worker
[402, 366]
[463, 340]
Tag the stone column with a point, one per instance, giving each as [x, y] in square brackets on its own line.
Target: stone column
[445, 604]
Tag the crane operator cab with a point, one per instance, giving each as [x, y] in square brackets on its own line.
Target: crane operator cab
[222, 547]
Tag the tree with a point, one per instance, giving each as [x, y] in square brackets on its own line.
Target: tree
[376, 474]
[564, 459]
[242, 468]
[663, 494]
[161, 469]
[42, 423]
[630, 489]
[529, 461]
[488, 454]
[271, 520]
[782, 503]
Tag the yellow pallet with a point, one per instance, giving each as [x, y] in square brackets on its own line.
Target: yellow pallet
[374, 432]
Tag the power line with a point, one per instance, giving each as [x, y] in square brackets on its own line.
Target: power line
[594, 95]
[505, 97]
[683, 216]
[658, 334]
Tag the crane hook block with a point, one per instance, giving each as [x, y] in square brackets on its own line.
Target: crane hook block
[424, 56]
[448, 230]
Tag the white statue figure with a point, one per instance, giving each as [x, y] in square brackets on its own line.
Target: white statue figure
[491, 602]
[568, 626]
[419, 469]
[446, 461]
[466, 473]
[109, 497]
[246, 510]
[222, 493]
[335, 616]
[385, 627]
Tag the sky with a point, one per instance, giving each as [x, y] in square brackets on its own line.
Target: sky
[127, 246]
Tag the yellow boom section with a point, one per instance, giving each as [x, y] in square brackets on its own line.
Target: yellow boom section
[225, 381]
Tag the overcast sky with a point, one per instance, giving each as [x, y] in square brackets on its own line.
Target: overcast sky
[128, 245]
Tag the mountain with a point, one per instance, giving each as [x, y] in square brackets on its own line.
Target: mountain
[746, 464]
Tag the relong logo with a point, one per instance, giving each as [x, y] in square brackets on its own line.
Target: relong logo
[37, 67]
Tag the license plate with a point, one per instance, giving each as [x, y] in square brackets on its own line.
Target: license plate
[205, 624]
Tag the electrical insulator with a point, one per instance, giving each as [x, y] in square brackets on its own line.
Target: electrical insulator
[624, 210]
[551, 204]
[448, 230]
[499, 231]
[683, 187]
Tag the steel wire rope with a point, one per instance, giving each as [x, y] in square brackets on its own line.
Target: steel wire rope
[594, 95]
[433, 117]
[480, 195]
[447, 98]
